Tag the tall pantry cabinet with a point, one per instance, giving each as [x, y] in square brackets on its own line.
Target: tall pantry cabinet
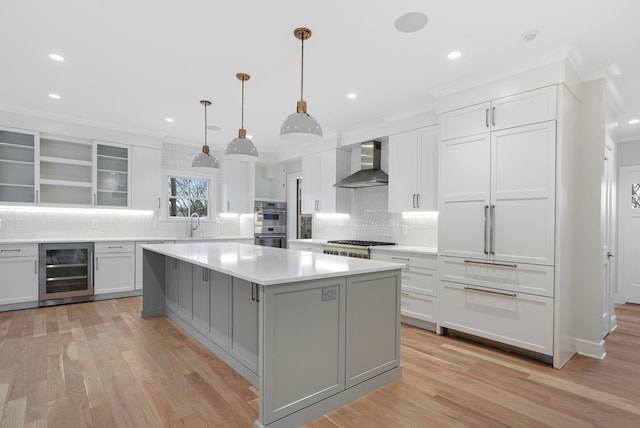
[498, 221]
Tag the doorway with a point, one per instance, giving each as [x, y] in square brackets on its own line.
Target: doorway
[629, 234]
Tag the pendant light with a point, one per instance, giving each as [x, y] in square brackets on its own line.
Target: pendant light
[242, 148]
[301, 126]
[204, 159]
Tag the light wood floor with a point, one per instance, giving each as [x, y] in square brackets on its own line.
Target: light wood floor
[99, 364]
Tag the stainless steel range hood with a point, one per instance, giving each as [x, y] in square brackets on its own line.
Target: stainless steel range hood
[370, 173]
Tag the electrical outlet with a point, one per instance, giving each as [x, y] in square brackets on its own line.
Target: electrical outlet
[329, 293]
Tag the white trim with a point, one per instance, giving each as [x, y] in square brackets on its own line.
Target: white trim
[201, 175]
[591, 349]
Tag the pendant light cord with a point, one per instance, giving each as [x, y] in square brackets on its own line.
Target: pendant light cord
[302, 69]
[205, 124]
[242, 112]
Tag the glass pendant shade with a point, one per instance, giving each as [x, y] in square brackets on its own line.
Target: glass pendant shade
[242, 148]
[301, 126]
[204, 159]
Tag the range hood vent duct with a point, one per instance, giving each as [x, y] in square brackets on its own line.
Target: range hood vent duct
[370, 174]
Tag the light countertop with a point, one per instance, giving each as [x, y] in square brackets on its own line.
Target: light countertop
[119, 239]
[267, 265]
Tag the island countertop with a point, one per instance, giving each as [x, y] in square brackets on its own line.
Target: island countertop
[268, 265]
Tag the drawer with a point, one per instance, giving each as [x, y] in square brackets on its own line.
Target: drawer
[19, 250]
[420, 280]
[521, 320]
[114, 247]
[519, 278]
[419, 306]
[425, 261]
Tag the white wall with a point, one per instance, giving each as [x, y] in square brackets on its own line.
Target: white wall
[628, 153]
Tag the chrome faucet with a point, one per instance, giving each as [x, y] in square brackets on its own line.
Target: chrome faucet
[197, 217]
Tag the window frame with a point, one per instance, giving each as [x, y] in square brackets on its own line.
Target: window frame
[190, 175]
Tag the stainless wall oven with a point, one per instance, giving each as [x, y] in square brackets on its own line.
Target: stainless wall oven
[270, 223]
[66, 273]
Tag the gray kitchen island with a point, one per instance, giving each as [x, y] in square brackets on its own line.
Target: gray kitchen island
[311, 331]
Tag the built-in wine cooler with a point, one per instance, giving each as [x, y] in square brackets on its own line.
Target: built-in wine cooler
[66, 273]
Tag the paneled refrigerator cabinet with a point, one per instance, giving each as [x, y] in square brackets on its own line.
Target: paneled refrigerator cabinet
[498, 220]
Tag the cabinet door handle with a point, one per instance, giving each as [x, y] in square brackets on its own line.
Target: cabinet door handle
[158, 203]
[400, 258]
[492, 235]
[257, 293]
[414, 200]
[253, 292]
[493, 116]
[405, 293]
[95, 199]
[12, 250]
[486, 223]
[482, 290]
[486, 118]
[37, 196]
[96, 263]
[228, 206]
[205, 275]
[35, 266]
[475, 262]
[115, 246]
[417, 200]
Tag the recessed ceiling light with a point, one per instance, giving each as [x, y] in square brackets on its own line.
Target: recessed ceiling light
[634, 121]
[530, 35]
[168, 119]
[454, 55]
[56, 57]
[352, 96]
[55, 96]
[411, 22]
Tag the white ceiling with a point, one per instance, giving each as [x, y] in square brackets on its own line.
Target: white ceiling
[133, 63]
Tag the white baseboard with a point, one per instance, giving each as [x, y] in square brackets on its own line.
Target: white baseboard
[591, 349]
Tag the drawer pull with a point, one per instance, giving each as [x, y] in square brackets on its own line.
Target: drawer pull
[515, 266]
[400, 258]
[115, 246]
[17, 250]
[405, 294]
[482, 290]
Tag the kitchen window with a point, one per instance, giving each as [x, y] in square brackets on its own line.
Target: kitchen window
[187, 195]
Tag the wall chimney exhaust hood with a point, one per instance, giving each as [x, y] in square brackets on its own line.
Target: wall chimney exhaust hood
[370, 173]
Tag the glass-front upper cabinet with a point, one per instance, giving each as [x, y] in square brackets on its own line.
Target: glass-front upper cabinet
[19, 171]
[111, 177]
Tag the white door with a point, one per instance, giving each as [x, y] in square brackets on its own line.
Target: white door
[403, 171]
[311, 172]
[629, 235]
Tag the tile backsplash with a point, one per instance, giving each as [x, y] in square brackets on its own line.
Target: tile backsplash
[370, 220]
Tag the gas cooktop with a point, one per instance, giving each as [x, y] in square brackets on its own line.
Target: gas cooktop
[359, 243]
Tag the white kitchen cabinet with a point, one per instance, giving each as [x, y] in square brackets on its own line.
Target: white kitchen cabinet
[419, 285]
[498, 195]
[111, 175]
[19, 170]
[114, 267]
[521, 320]
[66, 171]
[413, 170]
[507, 112]
[244, 323]
[172, 277]
[239, 182]
[18, 274]
[320, 171]
[146, 178]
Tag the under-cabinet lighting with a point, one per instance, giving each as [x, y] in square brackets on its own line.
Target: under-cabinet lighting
[66, 210]
[229, 215]
[333, 215]
[634, 121]
[420, 214]
[246, 215]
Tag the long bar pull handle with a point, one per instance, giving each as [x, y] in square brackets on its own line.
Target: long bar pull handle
[413, 203]
[35, 266]
[10, 250]
[493, 116]
[96, 263]
[486, 118]
[37, 196]
[492, 235]
[115, 246]
[482, 290]
[400, 258]
[253, 291]
[257, 293]
[158, 203]
[486, 223]
[475, 262]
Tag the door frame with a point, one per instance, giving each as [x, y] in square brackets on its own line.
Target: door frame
[623, 232]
